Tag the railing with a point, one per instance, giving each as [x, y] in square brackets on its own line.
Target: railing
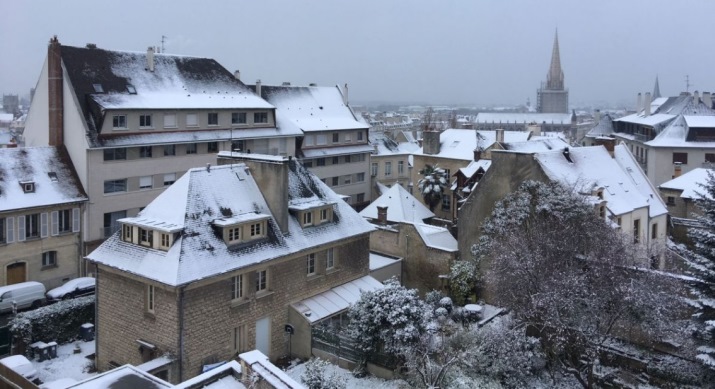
[109, 231]
[336, 343]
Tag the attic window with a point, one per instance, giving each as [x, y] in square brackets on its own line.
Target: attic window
[53, 176]
[131, 89]
[98, 88]
[28, 186]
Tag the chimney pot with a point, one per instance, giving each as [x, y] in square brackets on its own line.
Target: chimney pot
[639, 104]
[286, 83]
[382, 214]
[345, 94]
[237, 74]
[258, 87]
[54, 93]
[707, 99]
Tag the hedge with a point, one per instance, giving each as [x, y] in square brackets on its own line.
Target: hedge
[59, 322]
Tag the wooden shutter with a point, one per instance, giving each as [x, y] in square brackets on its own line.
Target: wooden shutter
[75, 219]
[55, 223]
[21, 228]
[43, 225]
[10, 236]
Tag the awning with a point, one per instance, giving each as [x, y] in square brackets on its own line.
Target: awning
[335, 300]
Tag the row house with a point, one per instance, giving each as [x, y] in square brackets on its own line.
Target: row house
[135, 122]
[669, 135]
[390, 161]
[224, 261]
[41, 200]
[334, 144]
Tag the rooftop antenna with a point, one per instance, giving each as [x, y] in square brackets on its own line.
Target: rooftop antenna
[163, 39]
[687, 83]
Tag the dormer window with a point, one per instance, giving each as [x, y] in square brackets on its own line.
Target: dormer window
[146, 237]
[142, 231]
[28, 186]
[308, 218]
[242, 228]
[256, 230]
[128, 233]
[324, 215]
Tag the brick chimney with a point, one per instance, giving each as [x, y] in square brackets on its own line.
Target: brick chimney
[477, 155]
[430, 142]
[382, 214]
[54, 93]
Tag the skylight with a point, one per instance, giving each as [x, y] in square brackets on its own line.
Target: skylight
[53, 176]
[98, 88]
[131, 89]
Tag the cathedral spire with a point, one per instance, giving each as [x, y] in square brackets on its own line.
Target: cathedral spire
[656, 89]
[555, 77]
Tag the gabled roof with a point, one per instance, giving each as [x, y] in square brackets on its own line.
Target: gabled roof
[679, 133]
[436, 237]
[689, 183]
[51, 171]
[603, 128]
[311, 108]
[473, 167]
[460, 143]
[402, 207]
[626, 188]
[536, 145]
[199, 198]
[384, 145]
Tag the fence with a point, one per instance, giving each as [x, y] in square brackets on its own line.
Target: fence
[334, 342]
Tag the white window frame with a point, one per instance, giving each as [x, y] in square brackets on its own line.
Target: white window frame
[146, 182]
[256, 229]
[238, 286]
[119, 122]
[308, 218]
[329, 259]
[49, 259]
[169, 178]
[170, 120]
[150, 299]
[388, 168]
[261, 281]
[310, 261]
[324, 215]
[143, 118]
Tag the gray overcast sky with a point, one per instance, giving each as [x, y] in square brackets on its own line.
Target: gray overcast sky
[440, 52]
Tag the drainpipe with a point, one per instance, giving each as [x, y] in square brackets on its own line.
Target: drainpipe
[181, 334]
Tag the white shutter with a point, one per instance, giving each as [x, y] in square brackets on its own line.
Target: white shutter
[10, 229]
[75, 219]
[43, 225]
[21, 228]
[55, 223]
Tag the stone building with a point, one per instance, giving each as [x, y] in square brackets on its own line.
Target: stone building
[390, 162]
[680, 195]
[41, 201]
[215, 265]
[552, 97]
[138, 121]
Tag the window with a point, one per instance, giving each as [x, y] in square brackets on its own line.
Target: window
[348, 137]
[127, 233]
[347, 179]
[336, 160]
[234, 234]
[169, 150]
[98, 88]
[63, 219]
[169, 178]
[373, 169]
[360, 177]
[308, 163]
[671, 200]
[307, 218]
[347, 159]
[388, 168]
[680, 157]
[446, 202]
[311, 264]
[336, 181]
[321, 162]
[322, 139]
[212, 147]
[323, 215]
[145, 152]
[309, 141]
[359, 135]
[119, 121]
[261, 280]
[191, 148]
[3, 237]
[636, 231]
[31, 226]
[131, 89]
[400, 168]
[115, 154]
[237, 287]
[336, 137]
[213, 119]
[150, 298]
[114, 186]
[239, 339]
[256, 230]
[602, 211]
[111, 224]
[146, 237]
[330, 259]
[145, 182]
[169, 120]
[260, 117]
[654, 231]
[145, 121]
[238, 145]
[709, 157]
[360, 198]
[192, 120]
[49, 258]
[238, 118]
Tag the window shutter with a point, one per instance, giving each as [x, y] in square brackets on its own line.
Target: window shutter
[75, 219]
[21, 228]
[43, 225]
[55, 224]
[10, 229]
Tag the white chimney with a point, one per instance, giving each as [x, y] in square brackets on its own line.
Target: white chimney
[707, 99]
[345, 94]
[597, 116]
[258, 87]
[150, 59]
[696, 98]
[639, 107]
[237, 74]
[646, 104]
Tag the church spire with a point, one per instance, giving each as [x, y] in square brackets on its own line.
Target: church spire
[555, 77]
[656, 89]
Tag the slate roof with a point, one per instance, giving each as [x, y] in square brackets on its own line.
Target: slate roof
[35, 164]
[535, 145]
[402, 207]
[603, 128]
[199, 198]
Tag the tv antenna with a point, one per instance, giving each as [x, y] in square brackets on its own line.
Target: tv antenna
[163, 39]
[687, 83]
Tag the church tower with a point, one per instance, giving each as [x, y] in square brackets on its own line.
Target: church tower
[552, 97]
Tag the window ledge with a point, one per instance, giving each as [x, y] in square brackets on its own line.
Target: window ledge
[315, 276]
[120, 129]
[265, 293]
[331, 270]
[239, 302]
[149, 315]
[48, 267]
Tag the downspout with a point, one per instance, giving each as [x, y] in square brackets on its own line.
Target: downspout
[181, 334]
[96, 317]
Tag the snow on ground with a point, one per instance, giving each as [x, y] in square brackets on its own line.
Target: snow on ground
[350, 381]
[67, 364]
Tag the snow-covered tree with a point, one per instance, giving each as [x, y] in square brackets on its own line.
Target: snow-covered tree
[394, 317]
[432, 184]
[316, 376]
[463, 279]
[567, 274]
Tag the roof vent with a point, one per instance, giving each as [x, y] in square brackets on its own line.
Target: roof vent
[131, 89]
[286, 83]
[91, 46]
[98, 88]
[567, 155]
[53, 176]
[312, 84]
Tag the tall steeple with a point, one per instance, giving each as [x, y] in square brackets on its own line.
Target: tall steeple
[555, 77]
[656, 89]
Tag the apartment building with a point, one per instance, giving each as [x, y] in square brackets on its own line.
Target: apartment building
[223, 261]
[41, 201]
[335, 143]
[390, 161]
[134, 123]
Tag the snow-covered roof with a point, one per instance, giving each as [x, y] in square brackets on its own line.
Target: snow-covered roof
[526, 118]
[121, 376]
[436, 237]
[378, 261]
[689, 183]
[335, 300]
[384, 145]
[650, 120]
[6, 117]
[275, 377]
[625, 186]
[474, 166]
[402, 207]
[678, 133]
[603, 128]
[311, 108]
[336, 151]
[230, 373]
[700, 121]
[460, 143]
[200, 197]
[536, 145]
[51, 171]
